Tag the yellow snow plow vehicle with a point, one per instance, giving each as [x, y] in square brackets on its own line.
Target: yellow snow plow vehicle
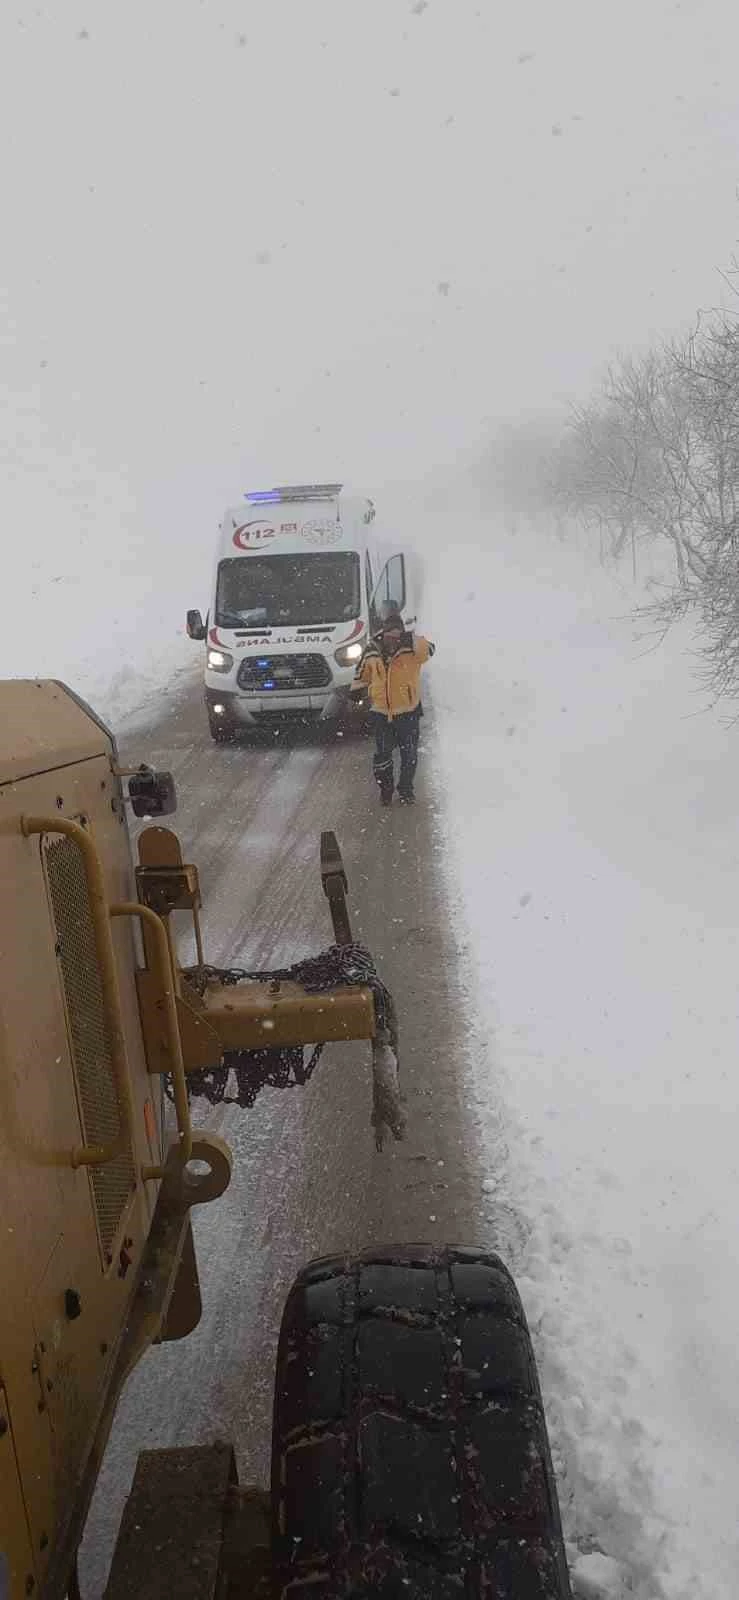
[410, 1454]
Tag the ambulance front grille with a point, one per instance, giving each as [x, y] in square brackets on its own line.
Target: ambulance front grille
[267, 674]
[113, 1183]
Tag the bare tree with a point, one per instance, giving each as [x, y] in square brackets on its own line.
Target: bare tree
[602, 473]
[656, 457]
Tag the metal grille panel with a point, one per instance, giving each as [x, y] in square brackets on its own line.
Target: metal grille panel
[65, 876]
[267, 674]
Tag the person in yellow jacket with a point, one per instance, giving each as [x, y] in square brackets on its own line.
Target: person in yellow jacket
[391, 670]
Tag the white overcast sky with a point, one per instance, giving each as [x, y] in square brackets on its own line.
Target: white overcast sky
[258, 238]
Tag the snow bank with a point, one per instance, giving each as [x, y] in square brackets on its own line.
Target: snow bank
[99, 580]
[594, 857]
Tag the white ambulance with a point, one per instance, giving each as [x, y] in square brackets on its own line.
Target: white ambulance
[301, 580]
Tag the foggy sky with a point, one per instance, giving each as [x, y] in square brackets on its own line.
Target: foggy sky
[249, 241]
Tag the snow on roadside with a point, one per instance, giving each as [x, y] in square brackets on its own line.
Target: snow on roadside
[98, 581]
[594, 859]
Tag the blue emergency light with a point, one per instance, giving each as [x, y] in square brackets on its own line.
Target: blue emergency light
[295, 492]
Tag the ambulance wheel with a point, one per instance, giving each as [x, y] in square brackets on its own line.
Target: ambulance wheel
[409, 1450]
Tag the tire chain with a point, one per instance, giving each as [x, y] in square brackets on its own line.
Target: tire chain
[351, 965]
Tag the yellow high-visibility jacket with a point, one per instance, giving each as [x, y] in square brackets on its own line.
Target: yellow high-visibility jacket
[395, 684]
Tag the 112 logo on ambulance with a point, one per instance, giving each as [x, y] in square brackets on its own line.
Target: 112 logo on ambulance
[254, 535]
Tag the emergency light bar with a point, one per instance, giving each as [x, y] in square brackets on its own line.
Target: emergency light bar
[300, 491]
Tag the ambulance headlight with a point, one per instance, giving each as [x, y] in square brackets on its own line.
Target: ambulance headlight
[220, 660]
[348, 655]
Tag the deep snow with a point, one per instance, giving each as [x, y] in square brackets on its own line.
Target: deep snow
[593, 857]
[93, 596]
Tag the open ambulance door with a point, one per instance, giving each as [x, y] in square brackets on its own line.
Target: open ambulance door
[390, 594]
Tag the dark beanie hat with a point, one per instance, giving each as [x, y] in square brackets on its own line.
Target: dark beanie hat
[393, 620]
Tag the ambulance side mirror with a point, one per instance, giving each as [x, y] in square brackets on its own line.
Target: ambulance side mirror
[195, 625]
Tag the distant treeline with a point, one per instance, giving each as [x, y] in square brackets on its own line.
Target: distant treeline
[654, 456]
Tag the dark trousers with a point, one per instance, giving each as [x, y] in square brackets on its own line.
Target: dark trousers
[391, 733]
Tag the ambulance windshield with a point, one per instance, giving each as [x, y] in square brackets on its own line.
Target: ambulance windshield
[283, 590]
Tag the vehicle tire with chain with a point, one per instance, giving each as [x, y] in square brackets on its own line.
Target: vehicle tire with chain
[410, 1452]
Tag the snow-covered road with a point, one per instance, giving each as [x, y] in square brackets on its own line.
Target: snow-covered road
[307, 1179]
